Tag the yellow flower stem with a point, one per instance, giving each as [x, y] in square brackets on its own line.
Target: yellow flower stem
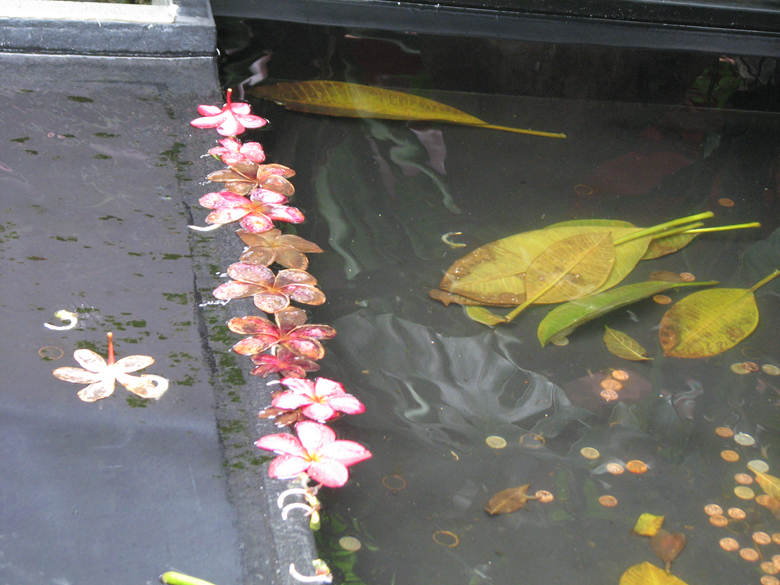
[521, 130]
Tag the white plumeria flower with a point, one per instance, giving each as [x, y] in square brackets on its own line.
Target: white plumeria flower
[102, 376]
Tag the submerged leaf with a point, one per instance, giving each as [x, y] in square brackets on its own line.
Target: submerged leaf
[507, 501]
[624, 346]
[482, 315]
[648, 524]
[648, 574]
[667, 245]
[564, 319]
[495, 274]
[710, 322]
[769, 483]
[336, 98]
[570, 268]
[667, 546]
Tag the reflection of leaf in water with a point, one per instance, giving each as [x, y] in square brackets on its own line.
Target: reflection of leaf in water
[648, 574]
[710, 322]
[336, 98]
[624, 346]
[507, 501]
[667, 546]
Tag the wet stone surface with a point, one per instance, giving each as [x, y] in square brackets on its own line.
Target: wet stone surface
[92, 171]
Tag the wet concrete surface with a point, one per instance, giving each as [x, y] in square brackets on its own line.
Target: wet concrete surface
[97, 172]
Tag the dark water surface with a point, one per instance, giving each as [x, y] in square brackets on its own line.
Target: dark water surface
[379, 195]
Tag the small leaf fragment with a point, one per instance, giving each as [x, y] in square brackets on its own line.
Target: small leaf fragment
[769, 483]
[648, 574]
[507, 501]
[624, 346]
[484, 316]
[667, 546]
[648, 524]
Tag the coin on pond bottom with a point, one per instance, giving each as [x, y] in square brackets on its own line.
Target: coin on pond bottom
[719, 521]
[770, 369]
[740, 369]
[350, 543]
[729, 544]
[729, 455]
[615, 468]
[495, 442]
[758, 465]
[744, 493]
[769, 568]
[608, 501]
[761, 538]
[544, 496]
[744, 439]
[749, 554]
[743, 479]
[620, 375]
[610, 384]
[713, 510]
[590, 453]
[769, 580]
[724, 432]
[736, 513]
[609, 395]
[636, 466]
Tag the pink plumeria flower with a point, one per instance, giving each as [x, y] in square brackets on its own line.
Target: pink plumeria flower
[233, 151]
[290, 332]
[230, 120]
[320, 400]
[284, 362]
[256, 214]
[315, 452]
[270, 292]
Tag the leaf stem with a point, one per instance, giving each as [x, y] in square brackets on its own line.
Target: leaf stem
[662, 226]
[174, 578]
[724, 228]
[520, 130]
[685, 229]
[763, 281]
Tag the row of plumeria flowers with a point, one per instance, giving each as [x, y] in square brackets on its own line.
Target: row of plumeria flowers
[256, 195]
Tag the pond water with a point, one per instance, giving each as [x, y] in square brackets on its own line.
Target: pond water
[385, 197]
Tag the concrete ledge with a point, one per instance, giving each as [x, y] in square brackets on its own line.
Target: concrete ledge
[182, 28]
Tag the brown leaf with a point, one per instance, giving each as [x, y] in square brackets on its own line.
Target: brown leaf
[507, 501]
[667, 546]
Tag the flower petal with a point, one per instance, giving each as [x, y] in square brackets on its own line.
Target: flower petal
[289, 257]
[77, 375]
[252, 325]
[234, 290]
[346, 452]
[318, 412]
[313, 331]
[287, 466]
[252, 273]
[308, 348]
[328, 472]
[146, 386]
[284, 213]
[132, 363]
[225, 215]
[303, 293]
[290, 401]
[98, 390]
[324, 387]
[261, 195]
[257, 255]
[222, 199]
[282, 443]
[254, 345]
[304, 387]
[347, 404]
[89, 360]
[269, 302]
[256, 222]
[314, 436]
[290, 318]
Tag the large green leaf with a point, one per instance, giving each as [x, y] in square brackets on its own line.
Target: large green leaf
[336, 98]
[710, 322]
[564, 319]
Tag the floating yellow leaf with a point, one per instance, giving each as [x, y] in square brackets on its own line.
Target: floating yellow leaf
[624, 346]
[648, 574]
[648, 524]
[710, 322]
[507, 501]
[482, 315]
[336, 98]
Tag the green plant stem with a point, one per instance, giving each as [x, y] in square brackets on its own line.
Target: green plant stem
[763, 281]
[520, 130]
[685, 229]
[724, 228]
[662, 226]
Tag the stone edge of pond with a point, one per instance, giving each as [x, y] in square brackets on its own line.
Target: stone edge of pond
[269, 544]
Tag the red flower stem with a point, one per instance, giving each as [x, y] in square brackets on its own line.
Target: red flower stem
[229, 103]
[110, 348]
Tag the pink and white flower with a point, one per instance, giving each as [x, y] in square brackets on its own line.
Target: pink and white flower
[256, 214]
[270, 292]
[230, 120]
[320, 400]
[315, 452]
[232, 151]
